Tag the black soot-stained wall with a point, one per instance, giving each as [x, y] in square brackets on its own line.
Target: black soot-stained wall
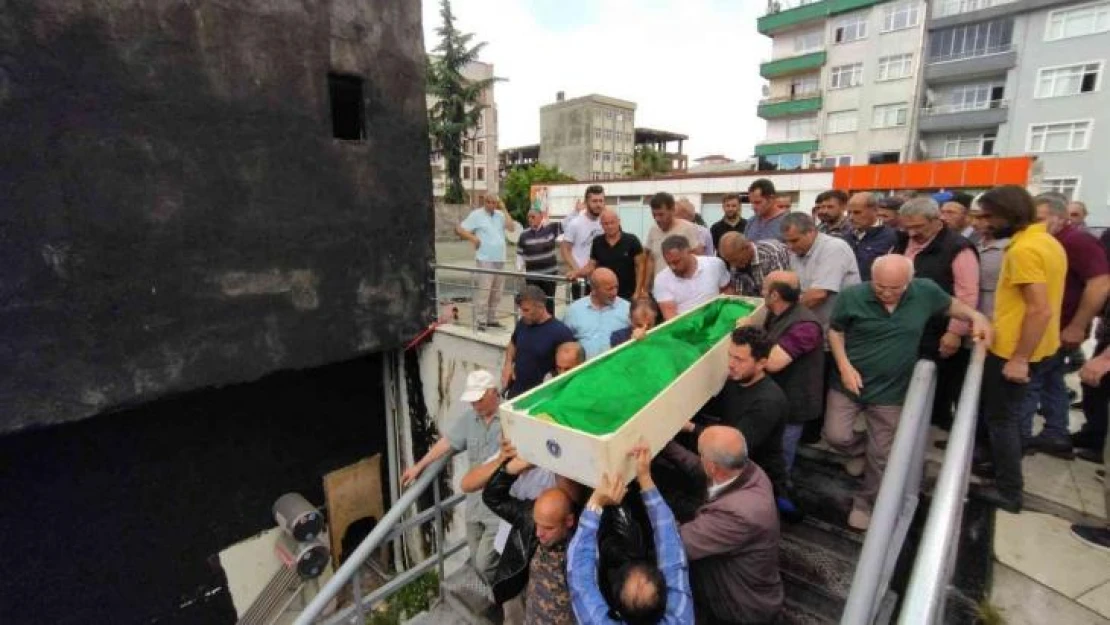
[175, 210]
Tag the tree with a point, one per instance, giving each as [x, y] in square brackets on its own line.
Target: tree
[648, 162]
[517, 187]
[457, 102]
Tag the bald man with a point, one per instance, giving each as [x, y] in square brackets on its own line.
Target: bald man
[733, 540]
[621, 252]
[749, 262]
[872, 331]
[535, 557]
[568, 356]
[594, 318]
[867, 235]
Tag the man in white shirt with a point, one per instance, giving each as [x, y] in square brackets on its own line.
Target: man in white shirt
[689, 279]
[578, 236]
[667, 224]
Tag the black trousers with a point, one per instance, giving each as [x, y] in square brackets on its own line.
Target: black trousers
[950, 381]
[1096, 408]
[1001, 403]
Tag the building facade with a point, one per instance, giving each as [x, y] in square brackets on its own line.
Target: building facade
[589, 138]
[479, 164]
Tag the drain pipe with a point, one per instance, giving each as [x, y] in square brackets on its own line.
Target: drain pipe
[391, 382]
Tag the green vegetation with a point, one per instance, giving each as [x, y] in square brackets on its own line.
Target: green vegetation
[647, 162]
[409, 601]
[517, 187]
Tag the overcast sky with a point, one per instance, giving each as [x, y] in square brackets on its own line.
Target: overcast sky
[691, 66]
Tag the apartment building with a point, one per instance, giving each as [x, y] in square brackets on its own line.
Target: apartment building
[1010, 77]
[842, 82]
[589, 138]
[480, 155]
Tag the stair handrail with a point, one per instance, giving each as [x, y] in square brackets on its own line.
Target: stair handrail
[936, 555]
[895, 502]
[386, 529]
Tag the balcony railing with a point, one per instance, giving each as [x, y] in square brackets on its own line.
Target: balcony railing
[964, 107]
[945, 8]
[972, 54]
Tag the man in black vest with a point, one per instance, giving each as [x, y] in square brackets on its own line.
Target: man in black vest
[949, 259]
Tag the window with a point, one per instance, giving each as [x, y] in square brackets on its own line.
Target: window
[609, 114]
[889, 115]
[1061, 137]
[481, 150]
[973, 97]
[597, 156]
[348, 119]
[850, 29]
[801, 86]
[841, 121]
[607, 156]
[801, 128]
[901, 15]
[809, 41]
[1068, 186]
[894, 67]
[1055, 82]
[608, 135]
[466, 172]
[597, 133]
[1078, 21]
[781, 162]
[964, 146]
[480, 174]
[882, 158]
[971, 40]
[845, 76]
[481, 123]
[836, 161]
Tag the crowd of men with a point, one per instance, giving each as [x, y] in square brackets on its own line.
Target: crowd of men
[854, 293]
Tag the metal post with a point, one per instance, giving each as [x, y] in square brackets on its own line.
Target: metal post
[356, 594]
[439, 536]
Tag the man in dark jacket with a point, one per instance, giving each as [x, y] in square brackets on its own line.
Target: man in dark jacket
[733, 541]
[535, 557]
[868, 237]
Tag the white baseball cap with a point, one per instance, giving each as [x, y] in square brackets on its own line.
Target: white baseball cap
[477, 383]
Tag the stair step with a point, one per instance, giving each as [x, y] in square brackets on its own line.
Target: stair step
[468, 596]
[794, 613]
[816, 567]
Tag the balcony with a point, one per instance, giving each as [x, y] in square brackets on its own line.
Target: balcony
[947, 13]
[789, 106]
[792, 65]
[970, 65]
[955, 118]
[802, 11]
[789, 147]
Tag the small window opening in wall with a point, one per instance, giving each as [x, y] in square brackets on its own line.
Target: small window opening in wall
[347, 112]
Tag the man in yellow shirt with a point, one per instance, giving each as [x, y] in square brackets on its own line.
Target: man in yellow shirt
[1026, 330]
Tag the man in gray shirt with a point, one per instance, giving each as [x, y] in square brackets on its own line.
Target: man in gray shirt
[478, 432]
[825, 265]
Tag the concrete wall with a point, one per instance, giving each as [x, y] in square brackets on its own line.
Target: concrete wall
[176, 211]
[565, 140]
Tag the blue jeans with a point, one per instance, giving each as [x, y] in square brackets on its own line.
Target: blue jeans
[791, 434]
[1046, 388]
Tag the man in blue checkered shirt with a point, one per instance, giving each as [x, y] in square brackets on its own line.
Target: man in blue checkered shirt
[649, 593]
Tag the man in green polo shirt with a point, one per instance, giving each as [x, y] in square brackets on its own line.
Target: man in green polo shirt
[873, 332]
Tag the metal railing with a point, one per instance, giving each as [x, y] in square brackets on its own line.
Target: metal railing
[973, 53]
[965, 107]
[450, 292]
[925, 595]
[896, 502]
[390, 528]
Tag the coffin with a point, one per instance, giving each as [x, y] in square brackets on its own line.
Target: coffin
[584, 423]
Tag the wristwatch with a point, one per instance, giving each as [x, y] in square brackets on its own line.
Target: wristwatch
[593, 507]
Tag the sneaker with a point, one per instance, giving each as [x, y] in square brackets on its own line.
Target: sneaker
[1058, 447]
[1097, 537]
[992, 496]
[855, 466]
[859, 519]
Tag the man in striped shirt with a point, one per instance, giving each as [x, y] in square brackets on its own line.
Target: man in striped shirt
[751, 261]
[537, 250]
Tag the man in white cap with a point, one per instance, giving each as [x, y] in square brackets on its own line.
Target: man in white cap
[478, 432]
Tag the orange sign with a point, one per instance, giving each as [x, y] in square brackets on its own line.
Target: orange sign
[975, 173]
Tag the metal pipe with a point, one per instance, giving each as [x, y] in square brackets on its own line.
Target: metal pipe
[926, 592]
[867, 579]
[542, 277]
[392, 387]
[371, 542]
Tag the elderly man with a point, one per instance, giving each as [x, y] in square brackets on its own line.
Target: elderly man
[733, 540]
[833, 219]
[1086, 285]
[620, 252]
[948, 258]
[955, 212]
[568, 356]
[825, 265]
[478, 432]
[730, 222]
[578, 236]
[535, 556]
[536, 252]
[868, 236]
[689, 279]
[595, 317]
[667, 224]
[767, 221]
[684, 209]
[531, 351]
[870, 329]
[485, 228]
[1027, 309]
[647, 592]
[750, 261]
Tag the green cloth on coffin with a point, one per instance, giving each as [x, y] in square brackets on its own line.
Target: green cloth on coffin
[600, 396]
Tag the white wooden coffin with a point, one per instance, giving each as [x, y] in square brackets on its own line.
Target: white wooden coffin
[584, 457]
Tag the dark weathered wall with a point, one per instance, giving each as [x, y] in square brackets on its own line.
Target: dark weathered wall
[173, 210]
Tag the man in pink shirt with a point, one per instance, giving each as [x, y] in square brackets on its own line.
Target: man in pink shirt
[949, 259]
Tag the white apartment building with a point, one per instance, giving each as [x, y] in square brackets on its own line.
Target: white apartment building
[479, 166]
[843, 82]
